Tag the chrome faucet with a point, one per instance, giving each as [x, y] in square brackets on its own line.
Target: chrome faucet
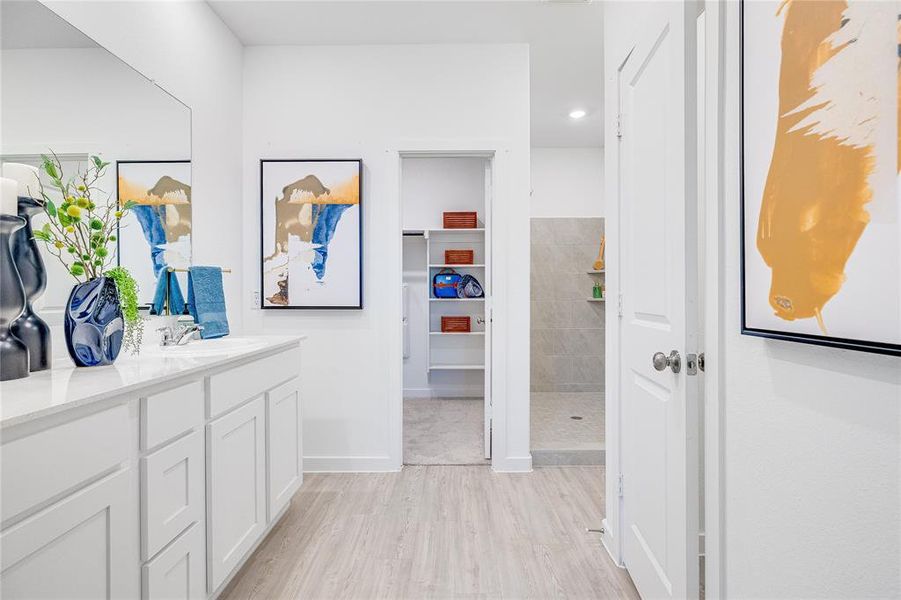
[171, 337]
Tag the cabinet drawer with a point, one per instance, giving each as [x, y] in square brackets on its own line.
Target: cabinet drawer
[230, 388]
[284, 451]
[169, 414]
[179, 571]
[172, 491]
[43, 465]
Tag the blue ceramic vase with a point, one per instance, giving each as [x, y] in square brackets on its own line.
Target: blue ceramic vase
[93, 324]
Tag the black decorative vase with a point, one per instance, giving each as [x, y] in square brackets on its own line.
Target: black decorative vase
[13, 352]
[29, 327]
[93, 323]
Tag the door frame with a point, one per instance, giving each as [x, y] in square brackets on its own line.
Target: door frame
[712, 344]
[497, 151]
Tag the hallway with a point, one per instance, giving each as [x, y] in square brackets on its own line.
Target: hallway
[439, 532]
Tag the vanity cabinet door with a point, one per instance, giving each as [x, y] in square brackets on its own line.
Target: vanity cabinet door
[284, 451]
[237, 494]
[84, 546]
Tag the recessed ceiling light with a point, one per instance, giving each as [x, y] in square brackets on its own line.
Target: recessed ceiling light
[577, 114]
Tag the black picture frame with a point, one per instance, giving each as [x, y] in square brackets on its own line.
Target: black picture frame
[817, 340]
[359, 162]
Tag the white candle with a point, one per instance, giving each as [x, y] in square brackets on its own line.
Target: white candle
[26, 176]
[9, 196]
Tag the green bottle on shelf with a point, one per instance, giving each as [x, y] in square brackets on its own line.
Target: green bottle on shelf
[597, 292]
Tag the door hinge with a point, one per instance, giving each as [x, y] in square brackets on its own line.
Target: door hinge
[619, 485]
[619, 126]
[619, 305]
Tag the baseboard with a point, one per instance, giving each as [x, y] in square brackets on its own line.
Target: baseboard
[349, 464]
[512, 464]
[445, 392]
[609, 543]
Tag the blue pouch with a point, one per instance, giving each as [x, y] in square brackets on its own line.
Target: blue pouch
[444, 284]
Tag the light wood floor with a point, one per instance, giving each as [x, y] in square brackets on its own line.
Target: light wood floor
[439, 532]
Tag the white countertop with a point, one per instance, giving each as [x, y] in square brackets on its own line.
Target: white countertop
[64, 387]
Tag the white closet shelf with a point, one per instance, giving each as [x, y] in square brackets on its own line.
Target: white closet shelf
[596, 299]
[456, 299]
[457, 266]
[596, 272]
[471, 230]
[452, 333]
[457, 367]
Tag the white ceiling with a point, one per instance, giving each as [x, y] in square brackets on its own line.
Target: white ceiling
[565, 39]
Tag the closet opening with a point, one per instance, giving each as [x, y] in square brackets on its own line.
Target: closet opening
[445, 206]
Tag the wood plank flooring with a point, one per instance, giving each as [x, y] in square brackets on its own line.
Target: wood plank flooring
[434, 532]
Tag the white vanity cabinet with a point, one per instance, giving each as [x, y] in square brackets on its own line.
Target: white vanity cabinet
[156, 491]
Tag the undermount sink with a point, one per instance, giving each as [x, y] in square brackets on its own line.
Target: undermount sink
[216, 347]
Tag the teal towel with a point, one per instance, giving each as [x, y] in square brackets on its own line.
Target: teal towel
[206, 301]
[176, 299]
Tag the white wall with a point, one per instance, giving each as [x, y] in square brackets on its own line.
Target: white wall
[431, 186]
[812, 444]
[567, 182]
[364, 102]
[184, 47]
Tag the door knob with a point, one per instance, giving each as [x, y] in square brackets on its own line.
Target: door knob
[662, 361]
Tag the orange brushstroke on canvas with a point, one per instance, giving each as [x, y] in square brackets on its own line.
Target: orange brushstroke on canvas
[813, 207]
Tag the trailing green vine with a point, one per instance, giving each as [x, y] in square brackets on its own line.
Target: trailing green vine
[128, 299]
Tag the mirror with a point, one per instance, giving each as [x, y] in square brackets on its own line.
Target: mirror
[61, 91]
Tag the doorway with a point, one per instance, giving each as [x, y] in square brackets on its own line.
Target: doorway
[445, 210]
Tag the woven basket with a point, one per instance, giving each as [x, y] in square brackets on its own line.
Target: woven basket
[459, 257]
[451, 324]
[461, 220]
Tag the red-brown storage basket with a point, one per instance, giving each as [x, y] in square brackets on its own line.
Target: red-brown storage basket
[461, 220]
[450, 324]
[459, 257]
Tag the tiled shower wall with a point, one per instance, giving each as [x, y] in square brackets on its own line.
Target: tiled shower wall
[567, 331]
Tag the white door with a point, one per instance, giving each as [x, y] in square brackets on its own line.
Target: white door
[489, 303]
[236, 483]
[657, 223]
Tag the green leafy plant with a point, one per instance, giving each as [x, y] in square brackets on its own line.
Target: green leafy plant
[128, 298]
[80, 230]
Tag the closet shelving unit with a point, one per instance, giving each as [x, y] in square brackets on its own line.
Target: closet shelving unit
[463, 351]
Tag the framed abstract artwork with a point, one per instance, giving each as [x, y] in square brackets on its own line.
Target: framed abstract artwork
[156, 233]
[821, 198]
[311, 241]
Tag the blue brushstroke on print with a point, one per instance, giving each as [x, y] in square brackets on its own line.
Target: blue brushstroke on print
[150, 218]
[327, 217]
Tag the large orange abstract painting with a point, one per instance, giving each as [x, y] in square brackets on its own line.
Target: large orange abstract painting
[820, 163]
